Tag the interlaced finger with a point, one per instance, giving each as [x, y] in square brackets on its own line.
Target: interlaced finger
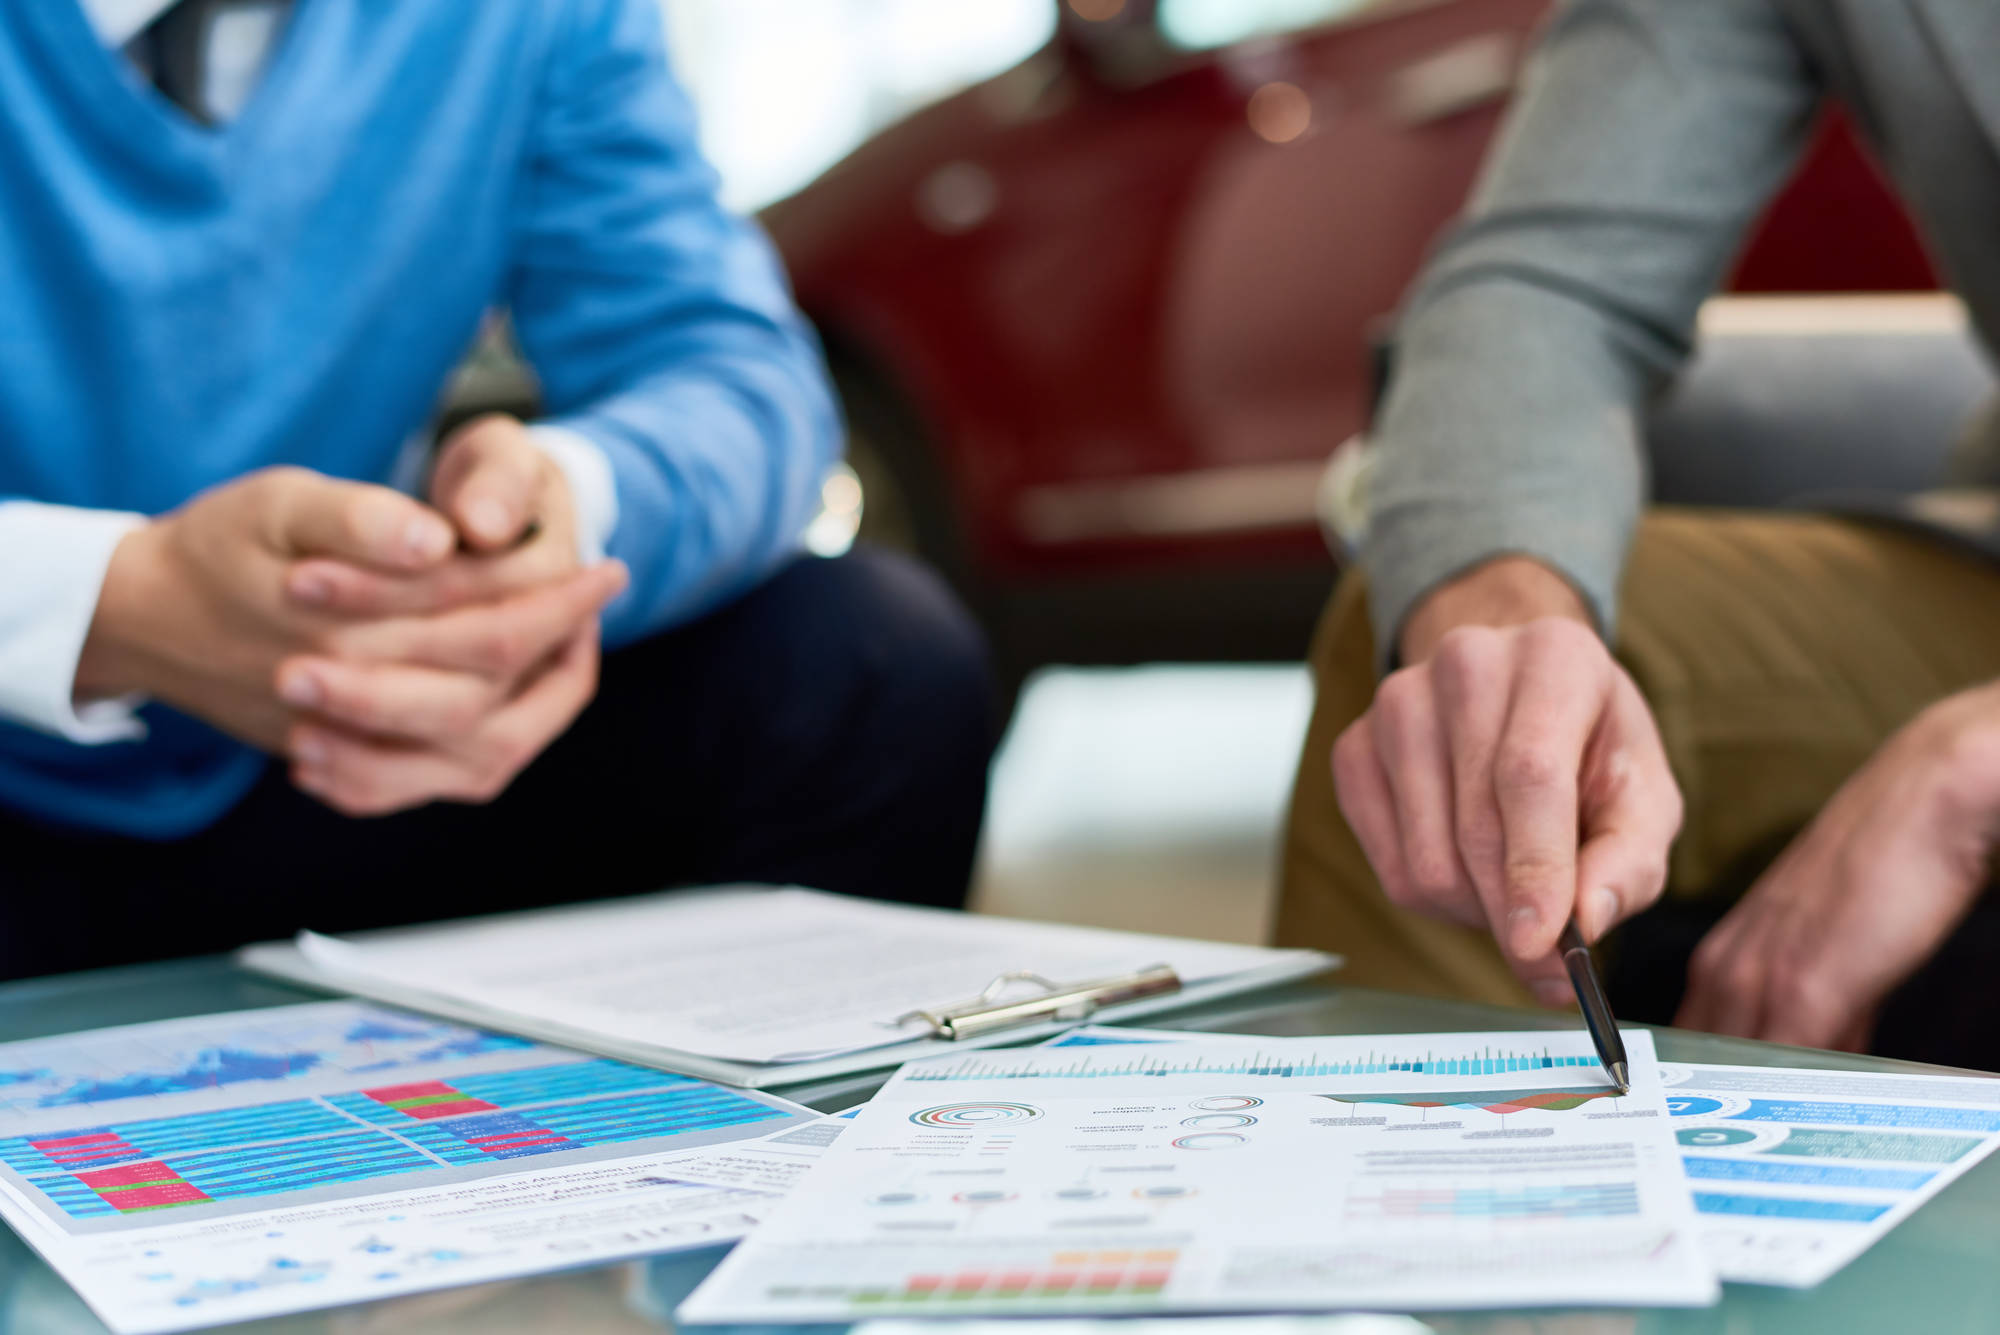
[502, 641]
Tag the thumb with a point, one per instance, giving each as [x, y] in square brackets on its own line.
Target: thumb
[488, 482]
[1631, 813]
[1618, 873]
[310, 515]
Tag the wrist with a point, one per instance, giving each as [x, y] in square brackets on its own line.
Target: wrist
[1506, 591]
[114, 658]
[585, 488]
[1960, 735]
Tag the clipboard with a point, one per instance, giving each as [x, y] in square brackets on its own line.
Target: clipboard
[554, 964]
[988, 1013]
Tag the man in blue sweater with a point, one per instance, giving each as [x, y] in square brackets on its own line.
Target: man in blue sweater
[264, 662]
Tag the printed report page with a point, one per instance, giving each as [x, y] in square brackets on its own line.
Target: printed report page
[1438, 1171]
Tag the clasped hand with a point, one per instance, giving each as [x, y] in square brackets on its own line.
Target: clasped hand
[396, 653]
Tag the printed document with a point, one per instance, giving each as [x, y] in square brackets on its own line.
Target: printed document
[1403, 1172]
[1794, 1172]
[750, 985]
[1797, 1172]
[193, 1172]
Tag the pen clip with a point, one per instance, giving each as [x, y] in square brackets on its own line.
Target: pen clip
[986, 1013]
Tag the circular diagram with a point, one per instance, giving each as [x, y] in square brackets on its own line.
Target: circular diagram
[985, 1196]
[1227, 1103]
[1692, 1105]
[975, 1116]
[1713, 1133]
[1211, 1140]
[1714, 1137]
[1166, 1191]
[1219, 1121]
[1706, 1105]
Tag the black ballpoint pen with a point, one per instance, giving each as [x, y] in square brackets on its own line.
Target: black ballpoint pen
[1597, 1015]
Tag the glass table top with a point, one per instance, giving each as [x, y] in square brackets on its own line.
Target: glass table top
[1939, 1271]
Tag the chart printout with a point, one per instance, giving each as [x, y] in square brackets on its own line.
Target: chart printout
[1409, 1172]
[1797, 1172]
[192, 1172]
[1794, 1172]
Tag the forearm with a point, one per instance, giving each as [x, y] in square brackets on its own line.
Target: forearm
[1646, 137]
[1494, 444]
[663, 330]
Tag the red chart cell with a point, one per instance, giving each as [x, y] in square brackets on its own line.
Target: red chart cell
[429, 1099]
[150, 1185]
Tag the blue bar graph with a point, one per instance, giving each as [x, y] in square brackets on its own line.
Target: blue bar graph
[1915, 1116]
[363, 1135]
[1779, 1207]
[1163, 1061]
[1807, 1174]
[586, 1123]
[530, 1087]
[123, 1142]
[270, 1170]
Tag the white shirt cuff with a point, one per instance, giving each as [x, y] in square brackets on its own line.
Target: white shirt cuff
[593, 489]
[55, 557]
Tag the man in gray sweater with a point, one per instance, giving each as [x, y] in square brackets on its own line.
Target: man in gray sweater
[1767, 676]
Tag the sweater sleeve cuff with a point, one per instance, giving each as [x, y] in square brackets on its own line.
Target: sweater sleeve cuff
[593, 488]
[1406, 558]
[56, 557]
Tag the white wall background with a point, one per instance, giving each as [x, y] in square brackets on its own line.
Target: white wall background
[787, 87]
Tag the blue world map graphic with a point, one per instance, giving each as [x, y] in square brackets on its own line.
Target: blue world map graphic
[343, 1037]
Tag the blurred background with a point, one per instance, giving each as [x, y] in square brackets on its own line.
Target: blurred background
[1106, 284]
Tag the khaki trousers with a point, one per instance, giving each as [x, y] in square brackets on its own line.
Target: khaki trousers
[1777, 651]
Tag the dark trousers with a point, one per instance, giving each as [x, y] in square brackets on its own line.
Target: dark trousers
[832, 729]
[1943, 1014]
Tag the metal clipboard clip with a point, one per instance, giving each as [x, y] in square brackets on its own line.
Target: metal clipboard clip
[986, 1013]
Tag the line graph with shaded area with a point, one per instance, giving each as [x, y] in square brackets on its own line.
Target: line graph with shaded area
[1499, 1101]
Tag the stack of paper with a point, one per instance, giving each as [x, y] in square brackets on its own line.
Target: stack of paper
[214, 1169]
[749, 985]
[1222, 1175]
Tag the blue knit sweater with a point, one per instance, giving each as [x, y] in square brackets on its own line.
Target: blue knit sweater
[180, 305]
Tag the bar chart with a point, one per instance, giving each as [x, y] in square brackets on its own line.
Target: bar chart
[1103, 1274]
[366, 1135]
[1167, 1060]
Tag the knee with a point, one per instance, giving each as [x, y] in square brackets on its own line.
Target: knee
[922, 646]
[1344, 667]
[900, 653]
[1321, 855]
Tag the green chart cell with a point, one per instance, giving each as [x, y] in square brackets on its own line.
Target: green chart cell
[1815, 1144]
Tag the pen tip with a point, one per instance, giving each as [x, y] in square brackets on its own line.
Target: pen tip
[1621, 1075]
